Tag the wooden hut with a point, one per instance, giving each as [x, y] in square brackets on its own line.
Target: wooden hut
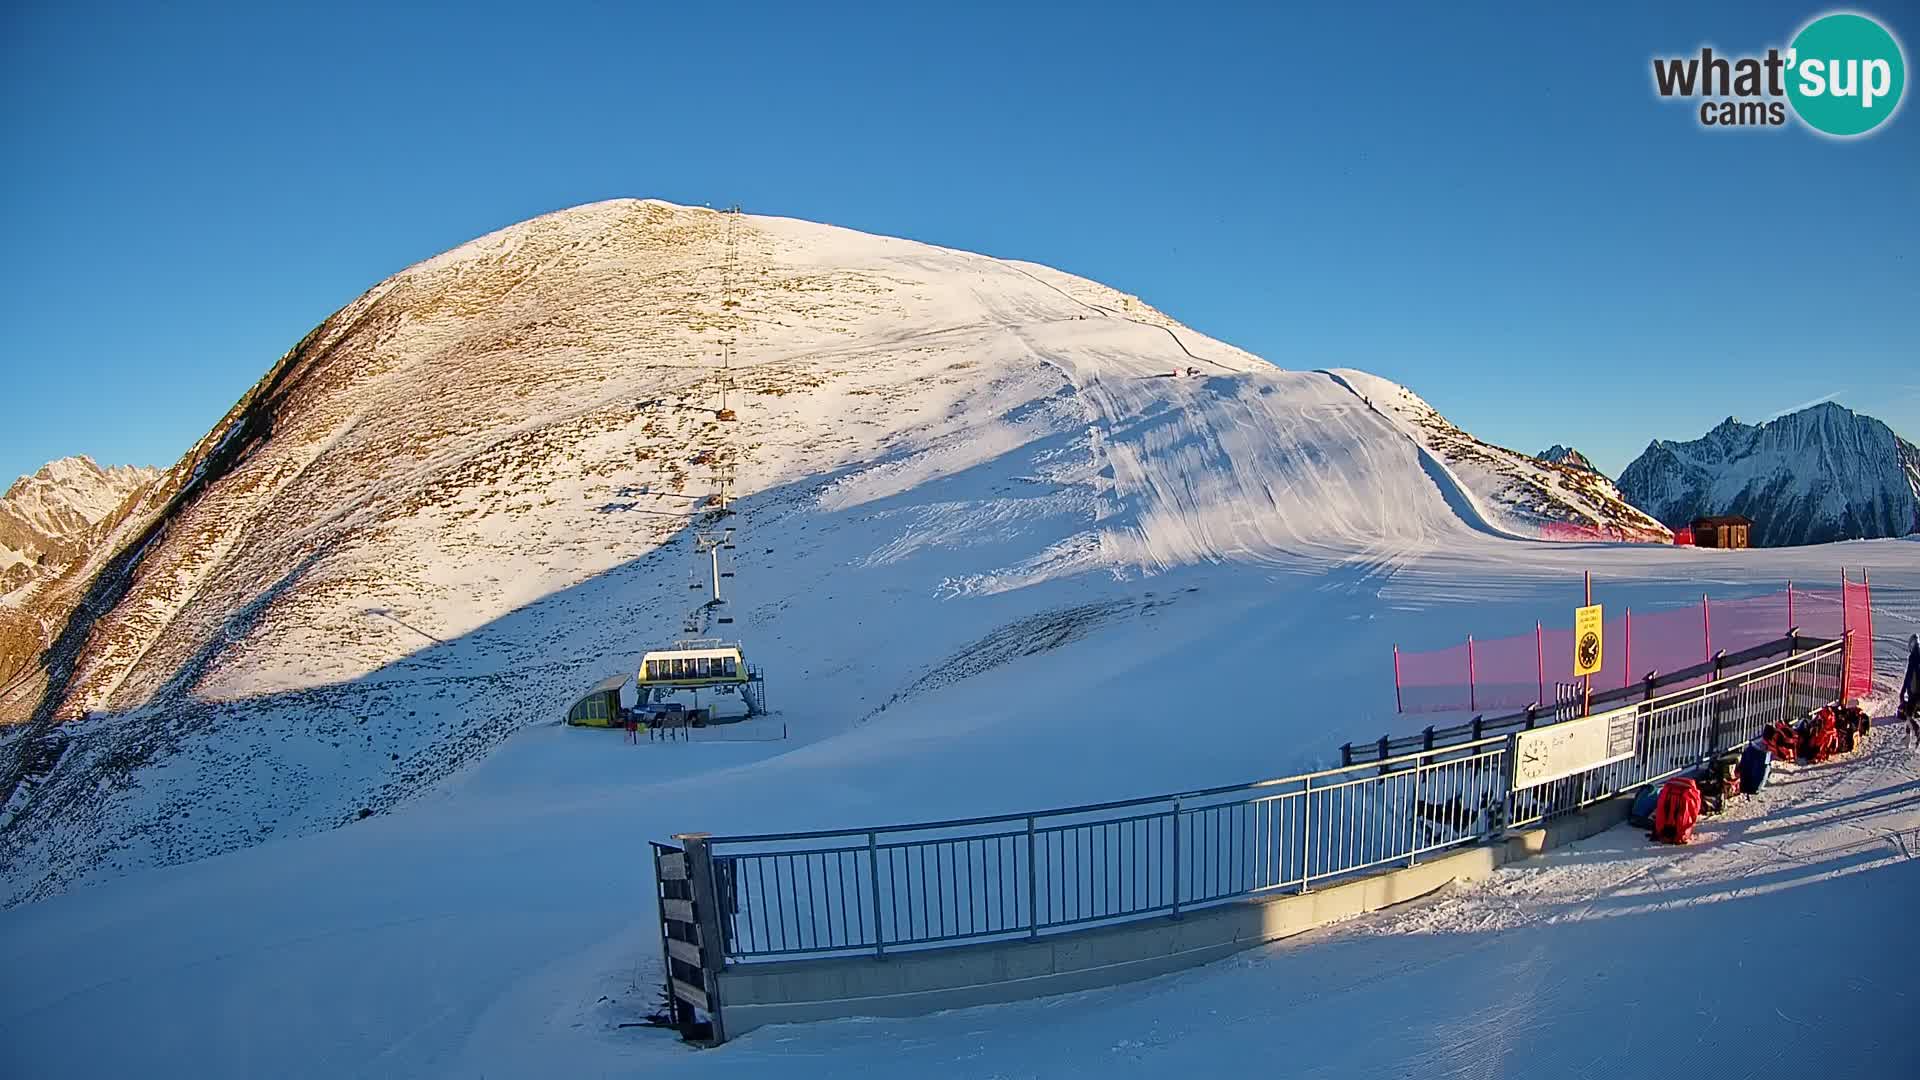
[1721, 531]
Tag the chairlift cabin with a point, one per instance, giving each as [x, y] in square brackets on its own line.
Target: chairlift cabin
[693, 664]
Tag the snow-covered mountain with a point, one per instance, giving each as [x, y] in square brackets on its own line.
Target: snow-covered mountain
[1568, 456]
[1515, 494]
[1821, 474]
[468, 496]
[50, 520]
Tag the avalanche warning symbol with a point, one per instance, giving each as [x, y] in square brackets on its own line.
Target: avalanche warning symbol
[1587, 622]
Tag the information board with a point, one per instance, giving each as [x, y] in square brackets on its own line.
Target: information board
[1567, 749]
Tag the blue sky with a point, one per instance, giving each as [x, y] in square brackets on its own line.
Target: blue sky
[1487, 204]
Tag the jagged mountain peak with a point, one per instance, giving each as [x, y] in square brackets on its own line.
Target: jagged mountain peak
[1814, 475]
[48, 519]
[1567, 456]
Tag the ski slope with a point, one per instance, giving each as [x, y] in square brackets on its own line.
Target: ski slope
[500, 926]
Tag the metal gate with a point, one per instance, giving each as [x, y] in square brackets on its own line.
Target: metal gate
[691, 951]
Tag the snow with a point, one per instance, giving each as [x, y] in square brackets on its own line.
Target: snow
[992, 557]
[478, 929]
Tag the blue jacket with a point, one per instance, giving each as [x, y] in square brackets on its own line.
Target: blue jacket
[1910, 686]
[1755, 762]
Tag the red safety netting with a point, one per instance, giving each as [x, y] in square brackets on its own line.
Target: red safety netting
[1515, 671]
[1858, 603]
[1683, 536]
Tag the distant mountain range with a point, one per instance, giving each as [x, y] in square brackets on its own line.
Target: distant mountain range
[1824, 473]
[47, 518]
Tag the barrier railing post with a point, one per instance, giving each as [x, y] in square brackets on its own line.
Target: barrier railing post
[1346, 755]
[1176, 858]
[1413, 804]
[1033, 885]
[1306, 834]
[873, 875]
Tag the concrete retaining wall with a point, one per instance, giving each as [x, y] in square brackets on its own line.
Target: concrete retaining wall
[914, 983]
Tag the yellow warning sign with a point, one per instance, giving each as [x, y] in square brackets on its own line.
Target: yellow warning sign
[1587, 634]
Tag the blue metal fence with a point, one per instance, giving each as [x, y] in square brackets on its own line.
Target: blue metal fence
[936, 884]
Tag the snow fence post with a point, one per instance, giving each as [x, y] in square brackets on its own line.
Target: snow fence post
[706, 912]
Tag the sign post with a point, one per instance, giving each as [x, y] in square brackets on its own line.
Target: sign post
[1589, 632]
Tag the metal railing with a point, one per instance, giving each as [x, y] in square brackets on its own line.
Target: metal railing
[1005, 877]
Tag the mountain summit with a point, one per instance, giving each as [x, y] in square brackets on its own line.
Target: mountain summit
[472, 493]
[1821, 474]
[1567, 456]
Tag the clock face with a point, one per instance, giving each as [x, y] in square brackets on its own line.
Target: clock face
[1589, 649]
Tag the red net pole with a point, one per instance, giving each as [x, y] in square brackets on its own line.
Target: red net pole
[1846, 649]
[1397, 705]
[1706, 626]
[1626, 669]
[1471, 702]
[1540, 660]
[1866, 582]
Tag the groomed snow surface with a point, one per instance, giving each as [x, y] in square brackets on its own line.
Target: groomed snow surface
[502, 926]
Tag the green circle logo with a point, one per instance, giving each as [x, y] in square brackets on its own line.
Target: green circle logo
[1846, 73]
